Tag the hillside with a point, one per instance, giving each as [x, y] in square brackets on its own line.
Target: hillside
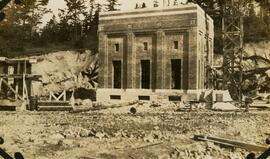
[64, 70]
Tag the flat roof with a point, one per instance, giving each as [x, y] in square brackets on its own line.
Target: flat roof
[155, 11]
[16, 60]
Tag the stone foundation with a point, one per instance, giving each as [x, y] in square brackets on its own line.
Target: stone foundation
[120, 95]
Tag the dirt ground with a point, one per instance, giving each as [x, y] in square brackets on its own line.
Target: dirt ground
[116, 133]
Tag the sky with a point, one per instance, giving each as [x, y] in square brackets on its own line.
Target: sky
[54, 5]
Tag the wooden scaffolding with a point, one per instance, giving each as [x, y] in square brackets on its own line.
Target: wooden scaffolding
[16, 78]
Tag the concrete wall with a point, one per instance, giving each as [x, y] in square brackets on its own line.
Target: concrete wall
[159, 28]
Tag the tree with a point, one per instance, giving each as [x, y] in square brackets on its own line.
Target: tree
[156, 3]
[93, 38]
[65, 28]
[143, 5]
[89, 17]
[50, 31]
[175, 3]
[112, 5]
[255, 29]
[75, 10]
[136, 6]
[19, 27]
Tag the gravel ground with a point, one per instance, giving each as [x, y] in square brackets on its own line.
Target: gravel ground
[115, 133]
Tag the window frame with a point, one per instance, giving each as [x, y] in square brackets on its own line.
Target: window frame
[176, 45]
[116, 47]
[145, 46]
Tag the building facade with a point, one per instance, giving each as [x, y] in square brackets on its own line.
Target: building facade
[155, 53]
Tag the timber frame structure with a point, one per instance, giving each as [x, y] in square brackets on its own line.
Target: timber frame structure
[232, 34]
[16, 78]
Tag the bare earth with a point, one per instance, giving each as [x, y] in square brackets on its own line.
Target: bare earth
[115, 133]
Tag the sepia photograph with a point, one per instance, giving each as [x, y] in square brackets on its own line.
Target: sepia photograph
[135, 79]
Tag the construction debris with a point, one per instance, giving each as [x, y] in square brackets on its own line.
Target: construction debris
[99, 106]
[133, 110]
[148, 133]
[230, 143]
[224, 106]
[65, 70]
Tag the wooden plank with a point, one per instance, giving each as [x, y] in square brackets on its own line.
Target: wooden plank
[55, 108]
[260, 105]
[146, 146]
[52, 96]
[105, 107]
[25, 91]
[65, 95]
[235, 143]
[24, 72]
[19, 76]
[1, 84]
[18, 68]
[6, 83]
[17, 90]
[60, 96]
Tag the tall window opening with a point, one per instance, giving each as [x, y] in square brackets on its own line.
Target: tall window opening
[117, 74]
[176, 74]
[145, 74]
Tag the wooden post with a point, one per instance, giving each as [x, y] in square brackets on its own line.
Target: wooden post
[18, 68]
[16, 80]
[65, 95]
[1, 79]
[50, 97]
[6, 83]
[17, 90]
[23, 87]
[25, 91]
[24, 67]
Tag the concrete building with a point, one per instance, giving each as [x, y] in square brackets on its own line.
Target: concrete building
[154, 53]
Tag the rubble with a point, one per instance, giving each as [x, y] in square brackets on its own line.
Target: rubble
[224, 106]
[63, 70]
[121, 133]
[133, 129]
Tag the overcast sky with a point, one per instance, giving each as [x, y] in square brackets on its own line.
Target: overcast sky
[54, 5]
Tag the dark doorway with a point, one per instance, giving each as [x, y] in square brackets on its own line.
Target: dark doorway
[176, 74]
[117, 74]
[145, 74]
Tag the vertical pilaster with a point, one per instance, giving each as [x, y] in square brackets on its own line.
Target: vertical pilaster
[192, 59]
[103, 60]
[131, 62]
[154, 63]
[160, 66]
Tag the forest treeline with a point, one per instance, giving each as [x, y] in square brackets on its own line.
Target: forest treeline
[76, 24]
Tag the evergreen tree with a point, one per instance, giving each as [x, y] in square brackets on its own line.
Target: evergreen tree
[136, 6]
[65, 28]
[156, 3]
[112, 5]
[143, 5]
[20, 24]
[89, 17]
[50, 31]
[75, 12]
[175, 3]
[254, 28]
